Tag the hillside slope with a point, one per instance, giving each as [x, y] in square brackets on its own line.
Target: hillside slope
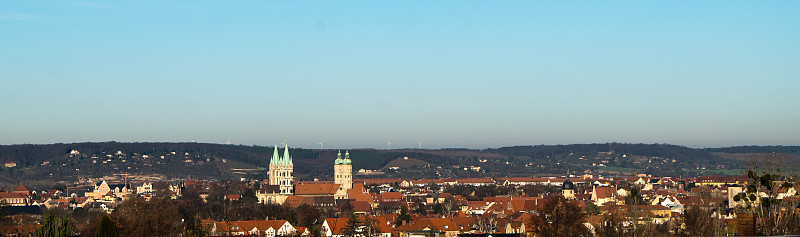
[200, 160]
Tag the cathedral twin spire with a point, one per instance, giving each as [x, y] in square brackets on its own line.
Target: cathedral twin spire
[286, 159]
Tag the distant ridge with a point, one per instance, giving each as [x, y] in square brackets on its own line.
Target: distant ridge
[205, 160]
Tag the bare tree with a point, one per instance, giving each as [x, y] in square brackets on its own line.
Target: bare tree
[612, 224]
[770, 174]
[560, 217]
[449, 207]
[486, 223]
[641, 222]
[699, 221]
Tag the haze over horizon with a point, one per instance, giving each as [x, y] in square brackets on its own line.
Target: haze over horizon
[358, 74]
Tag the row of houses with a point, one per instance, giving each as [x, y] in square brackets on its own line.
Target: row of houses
[714, 180]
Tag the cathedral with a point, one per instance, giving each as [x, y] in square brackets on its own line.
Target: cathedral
[283, 186]
[280, 171]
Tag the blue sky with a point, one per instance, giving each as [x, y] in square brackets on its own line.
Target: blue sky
[359, 73]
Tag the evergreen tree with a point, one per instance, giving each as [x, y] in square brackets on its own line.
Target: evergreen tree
[106, 228]
[353, 227]
[52, 227]
[403, 216]
[293, 217]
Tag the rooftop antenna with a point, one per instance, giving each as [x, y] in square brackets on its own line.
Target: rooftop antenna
[321, 143]
[420, 145]
[388, 145]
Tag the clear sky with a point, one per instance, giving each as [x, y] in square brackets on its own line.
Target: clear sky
[361, 73]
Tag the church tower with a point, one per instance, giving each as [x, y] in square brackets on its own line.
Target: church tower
[568, 189]
[343, 171]
[280, 171]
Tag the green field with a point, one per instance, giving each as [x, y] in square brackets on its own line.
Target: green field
[731, 172]
[233, 164]
[619, 170]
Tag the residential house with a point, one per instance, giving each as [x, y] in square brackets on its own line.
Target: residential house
[333, 227]
[602, 195]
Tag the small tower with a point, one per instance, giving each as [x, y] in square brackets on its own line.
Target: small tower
[280, 171]
[568, 189]
[343, 171]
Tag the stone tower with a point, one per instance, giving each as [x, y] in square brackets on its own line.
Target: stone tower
[280, 171]
[343, 171]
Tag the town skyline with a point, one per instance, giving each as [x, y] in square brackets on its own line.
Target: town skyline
[707, 74]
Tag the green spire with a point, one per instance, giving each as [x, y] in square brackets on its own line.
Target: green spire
[275, 157]
[287, 160]
[346, 160]
[338, 158]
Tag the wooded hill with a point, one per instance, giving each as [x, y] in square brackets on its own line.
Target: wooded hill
[54, 162]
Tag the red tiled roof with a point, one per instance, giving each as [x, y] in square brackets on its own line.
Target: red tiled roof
[338, 224]
[233, 196]
[605, 192]
[497, 199]
[523, 179]
[361, 206]
[459, 199]
[475, 181]
[525, 205]
[296, 201]
[315, 182]
[434, 181]
[316, 189]
[382, 225]
[436, 224]
[361, 196]
[464, 223]
[359, 187]
[12, 195]
[377, 181]
[392, 195]
[20, 189]
[477, 204]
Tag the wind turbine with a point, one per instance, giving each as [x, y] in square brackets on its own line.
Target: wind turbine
[388, 145]
[321, 143]
[420, 145]
[229, 142]
[283, 142]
